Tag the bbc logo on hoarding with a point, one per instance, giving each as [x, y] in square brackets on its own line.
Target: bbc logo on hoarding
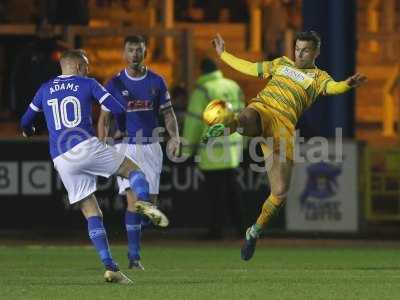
[25, 178]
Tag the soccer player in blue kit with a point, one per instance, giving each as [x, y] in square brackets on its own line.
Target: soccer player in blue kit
[146, 97]
[79, 156]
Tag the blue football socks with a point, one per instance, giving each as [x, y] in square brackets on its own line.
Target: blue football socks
[133, 231]
[139, 185]
[98, 235]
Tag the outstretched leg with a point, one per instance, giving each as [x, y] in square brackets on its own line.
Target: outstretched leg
[137, 180]
[247, 123]
[279, 175]
[140, 186]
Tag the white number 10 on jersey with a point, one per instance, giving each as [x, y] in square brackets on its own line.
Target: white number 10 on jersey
[60, 112]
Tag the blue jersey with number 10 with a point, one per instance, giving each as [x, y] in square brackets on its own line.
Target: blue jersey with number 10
[66, 102]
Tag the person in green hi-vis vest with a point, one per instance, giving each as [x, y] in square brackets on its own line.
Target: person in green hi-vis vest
[219, 158]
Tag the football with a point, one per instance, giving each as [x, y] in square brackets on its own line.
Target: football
[218, 111]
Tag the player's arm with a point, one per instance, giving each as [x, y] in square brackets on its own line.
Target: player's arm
[103, 125]
[105, 99]
[241, 65]
[27, 122]
[30, 115]
[339, 87]
[117, 110]
[336, 87]
[171, 124]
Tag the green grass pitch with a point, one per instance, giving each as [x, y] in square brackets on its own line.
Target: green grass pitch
[199, 270]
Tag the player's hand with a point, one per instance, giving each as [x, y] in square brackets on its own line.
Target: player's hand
[356, 80]
[218, 44]
[29, 133]
[119, 135]
[174, 147]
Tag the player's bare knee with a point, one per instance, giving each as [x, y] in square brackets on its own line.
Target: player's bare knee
[250, 123]
[87, 212]
[127, 167]
[90, 207]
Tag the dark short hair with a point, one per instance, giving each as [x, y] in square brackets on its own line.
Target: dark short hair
[73, 54]
[310, 36]
[134, 39]
[207, 65]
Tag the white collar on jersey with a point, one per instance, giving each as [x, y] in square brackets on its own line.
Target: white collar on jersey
[136, 78]
[65, 76]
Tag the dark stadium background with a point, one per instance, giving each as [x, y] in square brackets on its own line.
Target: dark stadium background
[357, 36]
